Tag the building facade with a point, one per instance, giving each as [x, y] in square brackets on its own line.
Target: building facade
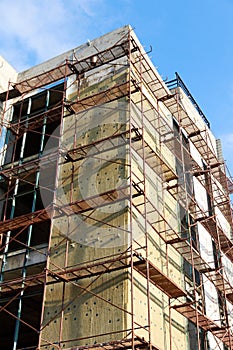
[116, 221]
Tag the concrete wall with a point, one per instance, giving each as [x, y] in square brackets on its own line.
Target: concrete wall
[7, 73]
[99, 233]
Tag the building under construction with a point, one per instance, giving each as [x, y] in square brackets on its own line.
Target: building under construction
[116, 221]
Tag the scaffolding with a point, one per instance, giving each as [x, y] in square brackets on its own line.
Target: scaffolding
[30, 267]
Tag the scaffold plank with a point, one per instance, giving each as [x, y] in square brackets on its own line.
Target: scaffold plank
[42, 79]
[18, 283]
[198, 318]
[26, 220]
[111, 94]
[116, 140]
[126, 343]
[37, 120]
[194, 315]
[159, 279]
[90, 269]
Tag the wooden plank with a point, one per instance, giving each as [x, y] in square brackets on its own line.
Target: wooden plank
[139, 343]
[222, 333]
[189, 311]
[160, 280]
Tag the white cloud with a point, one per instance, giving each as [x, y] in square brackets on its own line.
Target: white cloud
[89, 7]
[33, 31]
[26, 23]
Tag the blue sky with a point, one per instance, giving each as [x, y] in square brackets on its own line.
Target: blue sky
[194, 38]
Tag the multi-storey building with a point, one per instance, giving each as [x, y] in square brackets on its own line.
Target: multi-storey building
[116, 222]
